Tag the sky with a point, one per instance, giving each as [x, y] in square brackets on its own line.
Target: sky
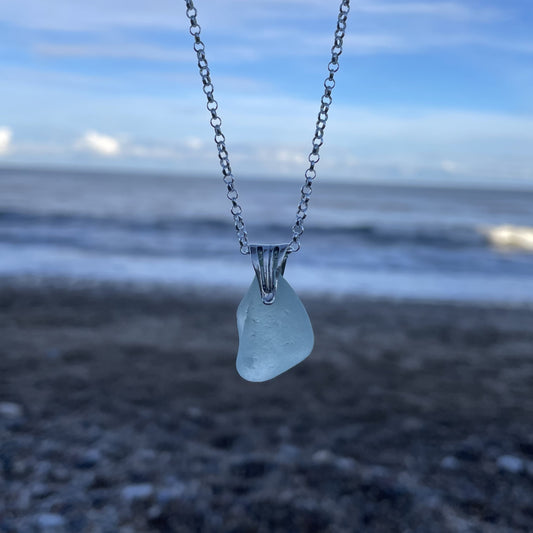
[428, 91]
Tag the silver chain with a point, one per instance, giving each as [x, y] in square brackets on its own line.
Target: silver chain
[220, 140]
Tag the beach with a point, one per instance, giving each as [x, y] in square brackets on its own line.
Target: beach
[121, 410]
[131, 203]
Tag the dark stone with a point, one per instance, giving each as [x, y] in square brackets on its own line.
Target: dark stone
[251, 468]
[386, 490]
[526, 447]
[469, 452]
[224, 441]
[89, 459]
[101, 480]
[282, 516]
[177, 516]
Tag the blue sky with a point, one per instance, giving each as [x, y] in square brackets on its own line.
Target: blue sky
[431, 91]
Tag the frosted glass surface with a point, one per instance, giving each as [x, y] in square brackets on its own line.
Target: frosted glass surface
[272, 338]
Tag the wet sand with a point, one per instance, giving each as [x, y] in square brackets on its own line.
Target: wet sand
[120, 410]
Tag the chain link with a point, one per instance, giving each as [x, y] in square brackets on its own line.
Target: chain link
[318, 139]
[216, 124]
[220, 140]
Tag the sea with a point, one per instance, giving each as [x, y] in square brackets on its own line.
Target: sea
[459, 244]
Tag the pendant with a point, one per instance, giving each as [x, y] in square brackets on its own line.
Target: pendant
[275, 332]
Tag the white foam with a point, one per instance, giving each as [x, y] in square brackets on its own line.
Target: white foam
[512, 237]
[225, 275]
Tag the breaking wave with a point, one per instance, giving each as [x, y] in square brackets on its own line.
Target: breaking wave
[509, 237]
[173, 235]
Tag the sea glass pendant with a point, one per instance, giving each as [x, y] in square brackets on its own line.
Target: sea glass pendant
[275, 332]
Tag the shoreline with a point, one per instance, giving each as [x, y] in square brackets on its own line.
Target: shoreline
[235, 294]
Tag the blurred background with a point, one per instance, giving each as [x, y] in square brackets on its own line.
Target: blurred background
[109, 169]
[117, 254]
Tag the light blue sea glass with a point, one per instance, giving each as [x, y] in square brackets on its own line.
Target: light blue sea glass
[272, 338]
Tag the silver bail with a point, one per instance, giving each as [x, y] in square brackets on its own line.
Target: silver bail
[269, 263]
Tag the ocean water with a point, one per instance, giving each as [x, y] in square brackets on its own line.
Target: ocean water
[375, 240]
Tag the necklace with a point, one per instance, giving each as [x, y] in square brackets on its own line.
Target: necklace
[275, 332]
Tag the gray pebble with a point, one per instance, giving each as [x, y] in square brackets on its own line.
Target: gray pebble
[11, 410]
[59, 474]
[323, 457]
[346, 464]
[450, 463]
[510, 463]
[50, 523]
[40, 490]
[174, 492]
[52, 353]
[327, 457]
[138, 492]
[288, 454]
[89, 459]
[23, 500]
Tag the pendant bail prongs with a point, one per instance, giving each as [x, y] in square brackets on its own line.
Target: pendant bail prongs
[269, 261]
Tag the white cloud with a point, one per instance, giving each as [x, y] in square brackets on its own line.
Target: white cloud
[361, 43]
[151, 152]
[143, 51]
[232, 14]
[271, 44]
[115, 51]
[367, 154]
[453, 10]
[408, 40]
[99, 143]
[5, 139]
[286, 156]
[239, 30]
[368, 142]
[194, 143]
[449, 166]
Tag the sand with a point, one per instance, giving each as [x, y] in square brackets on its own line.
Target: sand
[120, 410]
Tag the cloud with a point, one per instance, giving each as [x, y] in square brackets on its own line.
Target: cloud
[236, 15]
[361, 43]
[194, 143]
[152, 151]
[452, 10]
[5, 139]
[381, 147]
[261, 21]
[449, 166]
[99, 143]
[243, 31]
[449, 142]
[141, 51]
[121, 51]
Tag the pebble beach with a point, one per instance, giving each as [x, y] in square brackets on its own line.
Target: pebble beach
[121, 410]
